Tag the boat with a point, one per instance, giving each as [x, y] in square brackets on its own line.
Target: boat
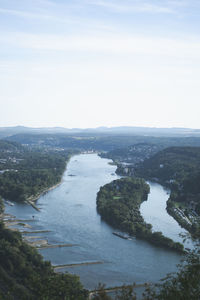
[121, 235]
[9, 203]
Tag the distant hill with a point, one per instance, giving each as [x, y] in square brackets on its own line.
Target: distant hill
[124, 130]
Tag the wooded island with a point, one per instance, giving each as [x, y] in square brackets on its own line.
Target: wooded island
[119, 202]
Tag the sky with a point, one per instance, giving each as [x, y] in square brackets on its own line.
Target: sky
[91, 63]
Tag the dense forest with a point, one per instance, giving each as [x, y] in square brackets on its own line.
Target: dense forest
[175, 163]
[10, 146]
[119, 204]
[25, 173]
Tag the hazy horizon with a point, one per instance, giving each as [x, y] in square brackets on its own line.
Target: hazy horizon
[100, 127]
[94, 63]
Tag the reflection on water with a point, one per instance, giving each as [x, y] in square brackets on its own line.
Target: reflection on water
[69, 212]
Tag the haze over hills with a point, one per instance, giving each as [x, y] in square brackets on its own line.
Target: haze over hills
[125, 130]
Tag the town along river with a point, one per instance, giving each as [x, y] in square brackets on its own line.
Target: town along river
[69, 213]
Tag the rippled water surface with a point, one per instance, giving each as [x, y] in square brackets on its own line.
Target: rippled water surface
[69, 212]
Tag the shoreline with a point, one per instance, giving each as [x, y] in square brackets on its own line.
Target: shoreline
[46, 190]
[32, 199]
[179, 218]
[108, 290]
[107, 207]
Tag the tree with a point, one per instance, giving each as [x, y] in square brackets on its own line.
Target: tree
[100, 293]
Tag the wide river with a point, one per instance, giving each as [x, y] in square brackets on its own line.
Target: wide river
[69, 213]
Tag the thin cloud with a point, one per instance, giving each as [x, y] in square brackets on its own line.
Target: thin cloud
[28, 15]
[132, 7]
[56, 18]
[24, 14]
[106, 44]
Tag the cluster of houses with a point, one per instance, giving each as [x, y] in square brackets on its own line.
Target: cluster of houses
[10, 159]
[181, 214]
[4, 161]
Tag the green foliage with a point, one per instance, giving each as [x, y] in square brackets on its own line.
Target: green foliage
[177, 163]
[100, 293]
[119, 204]
[32, 174]
[24, 274]
[126, 293]
[132, 155]
[1, 205]
[9, 146]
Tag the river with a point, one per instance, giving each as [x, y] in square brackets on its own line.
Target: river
[154, 212]
[69, 213]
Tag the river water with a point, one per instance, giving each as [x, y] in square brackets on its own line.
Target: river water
[69, 213]
[154, 212]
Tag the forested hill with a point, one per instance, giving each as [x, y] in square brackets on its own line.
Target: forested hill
[172, 164]
[7, 146]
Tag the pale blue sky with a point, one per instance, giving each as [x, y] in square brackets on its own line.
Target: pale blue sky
[89, 63]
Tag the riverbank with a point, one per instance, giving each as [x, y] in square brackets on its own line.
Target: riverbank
[176, 209]
[33, 198]
[184, 221]
[119, 204]
[114, 290]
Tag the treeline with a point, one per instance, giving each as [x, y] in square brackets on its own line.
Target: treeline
[119, 204]
[32, 174]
